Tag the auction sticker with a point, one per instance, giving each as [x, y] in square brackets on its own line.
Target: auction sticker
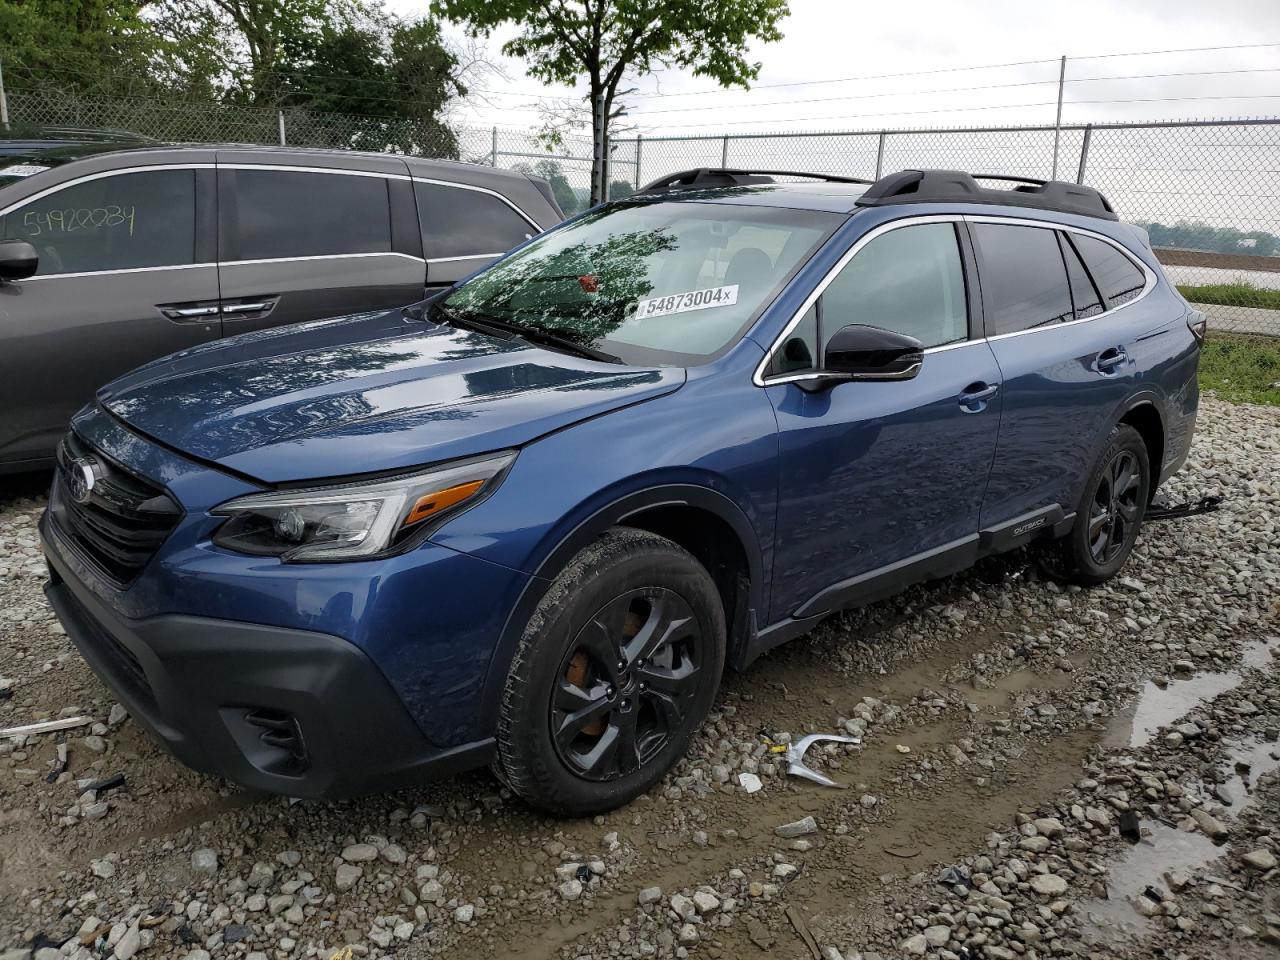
[22, 170]
[684, 302]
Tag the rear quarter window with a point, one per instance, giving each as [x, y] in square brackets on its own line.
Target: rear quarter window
[1117, 276]
[458, 222]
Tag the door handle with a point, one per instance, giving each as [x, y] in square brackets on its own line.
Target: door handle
[973, 399]
[182, 314]
[259, 307]
[1109, 359]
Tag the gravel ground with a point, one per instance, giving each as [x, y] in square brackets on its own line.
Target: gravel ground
[1045, 772]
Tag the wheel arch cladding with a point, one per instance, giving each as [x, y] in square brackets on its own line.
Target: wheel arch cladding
[683, 513]
[1145, 418]
[715, 545]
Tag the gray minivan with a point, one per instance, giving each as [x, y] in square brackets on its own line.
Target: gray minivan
[142, 252]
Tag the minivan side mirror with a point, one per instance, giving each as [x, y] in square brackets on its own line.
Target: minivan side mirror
[862, 352]
[18, 260]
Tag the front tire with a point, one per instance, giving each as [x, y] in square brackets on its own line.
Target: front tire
[1110, 512]
[616, 669]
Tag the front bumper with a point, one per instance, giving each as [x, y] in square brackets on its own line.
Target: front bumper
[285, 711]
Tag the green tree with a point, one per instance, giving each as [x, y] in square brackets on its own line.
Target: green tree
[102, 47]
[602, 40]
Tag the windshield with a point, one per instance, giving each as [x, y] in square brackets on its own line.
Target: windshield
[665, 283]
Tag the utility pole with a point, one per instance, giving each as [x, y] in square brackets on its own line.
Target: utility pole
[4, 104]
[280, 121]
[1057, 124]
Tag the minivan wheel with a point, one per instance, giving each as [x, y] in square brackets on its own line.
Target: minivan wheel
[1110, 512]
[616, 669]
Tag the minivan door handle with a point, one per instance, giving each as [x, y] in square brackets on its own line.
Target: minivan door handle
[973, 399]
[189, 312]
[239, 311]
[1109, 359]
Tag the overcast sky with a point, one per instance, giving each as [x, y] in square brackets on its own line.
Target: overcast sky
[853, 45]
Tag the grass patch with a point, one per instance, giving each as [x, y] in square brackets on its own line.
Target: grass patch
[1241, 369]
[1241, 293]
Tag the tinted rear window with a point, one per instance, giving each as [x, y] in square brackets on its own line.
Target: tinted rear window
[288, 214]
[1117, 276]
[1024, 281]
[457, 222]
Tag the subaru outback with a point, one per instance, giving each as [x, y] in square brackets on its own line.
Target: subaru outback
[529, 521]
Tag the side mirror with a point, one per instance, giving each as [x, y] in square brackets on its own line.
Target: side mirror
[18, 259]
[861, 352]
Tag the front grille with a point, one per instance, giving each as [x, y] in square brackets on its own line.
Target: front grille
[123, 520]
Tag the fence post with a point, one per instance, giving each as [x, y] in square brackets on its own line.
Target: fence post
[1057, 123]
[1084, 151]
[280, 121]
[724, 153]
[880, 155]
[4, 103]
[639, 141]
[493, 147]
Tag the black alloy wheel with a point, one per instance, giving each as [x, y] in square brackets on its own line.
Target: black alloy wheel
[616, 669]
[1109, 513]
[627, 684]
[1115, 509]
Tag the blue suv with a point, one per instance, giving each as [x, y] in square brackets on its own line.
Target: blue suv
[530, 521]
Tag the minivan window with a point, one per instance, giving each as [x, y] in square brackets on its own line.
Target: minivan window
[457, 222]
[287, 213]
[1117, 276]
[650, 282]
[121, 222]
[909, 280]
[1083, 293]
[1024, 281]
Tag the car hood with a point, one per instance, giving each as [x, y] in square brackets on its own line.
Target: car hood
[364, 394]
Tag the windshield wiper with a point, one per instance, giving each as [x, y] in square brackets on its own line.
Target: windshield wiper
[516, 331]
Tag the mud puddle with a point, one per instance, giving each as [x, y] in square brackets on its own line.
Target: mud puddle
[1165, 851]
[1158, 706]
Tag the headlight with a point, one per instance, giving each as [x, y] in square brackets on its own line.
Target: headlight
[356, 520]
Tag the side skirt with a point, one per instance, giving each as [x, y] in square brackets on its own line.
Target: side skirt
[874, 585]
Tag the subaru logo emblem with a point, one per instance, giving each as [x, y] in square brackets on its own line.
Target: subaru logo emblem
[82, 474]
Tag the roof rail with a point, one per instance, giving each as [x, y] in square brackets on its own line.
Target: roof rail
[705, 178]
[956, 186]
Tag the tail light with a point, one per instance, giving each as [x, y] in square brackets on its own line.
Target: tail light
[1199, 325]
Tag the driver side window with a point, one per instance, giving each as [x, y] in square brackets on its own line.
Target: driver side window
[120, 222]
[909, 280]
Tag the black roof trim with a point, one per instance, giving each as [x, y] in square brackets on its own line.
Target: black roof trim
[708, 178]
[956, 186]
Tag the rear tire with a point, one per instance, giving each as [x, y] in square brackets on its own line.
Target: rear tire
[1110, 512]
[616, 669]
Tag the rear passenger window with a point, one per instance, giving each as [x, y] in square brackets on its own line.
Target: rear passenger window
[123, 222]
[457, 222]
[909, 280]
[1024, 281]
[1118, 277]
[282, 213]
[1087, 301]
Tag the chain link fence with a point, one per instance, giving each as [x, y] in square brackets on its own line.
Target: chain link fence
[1208, 192]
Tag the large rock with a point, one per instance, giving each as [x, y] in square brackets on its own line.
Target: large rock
[1048, 884]
[1212, 827]
[798, 828]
